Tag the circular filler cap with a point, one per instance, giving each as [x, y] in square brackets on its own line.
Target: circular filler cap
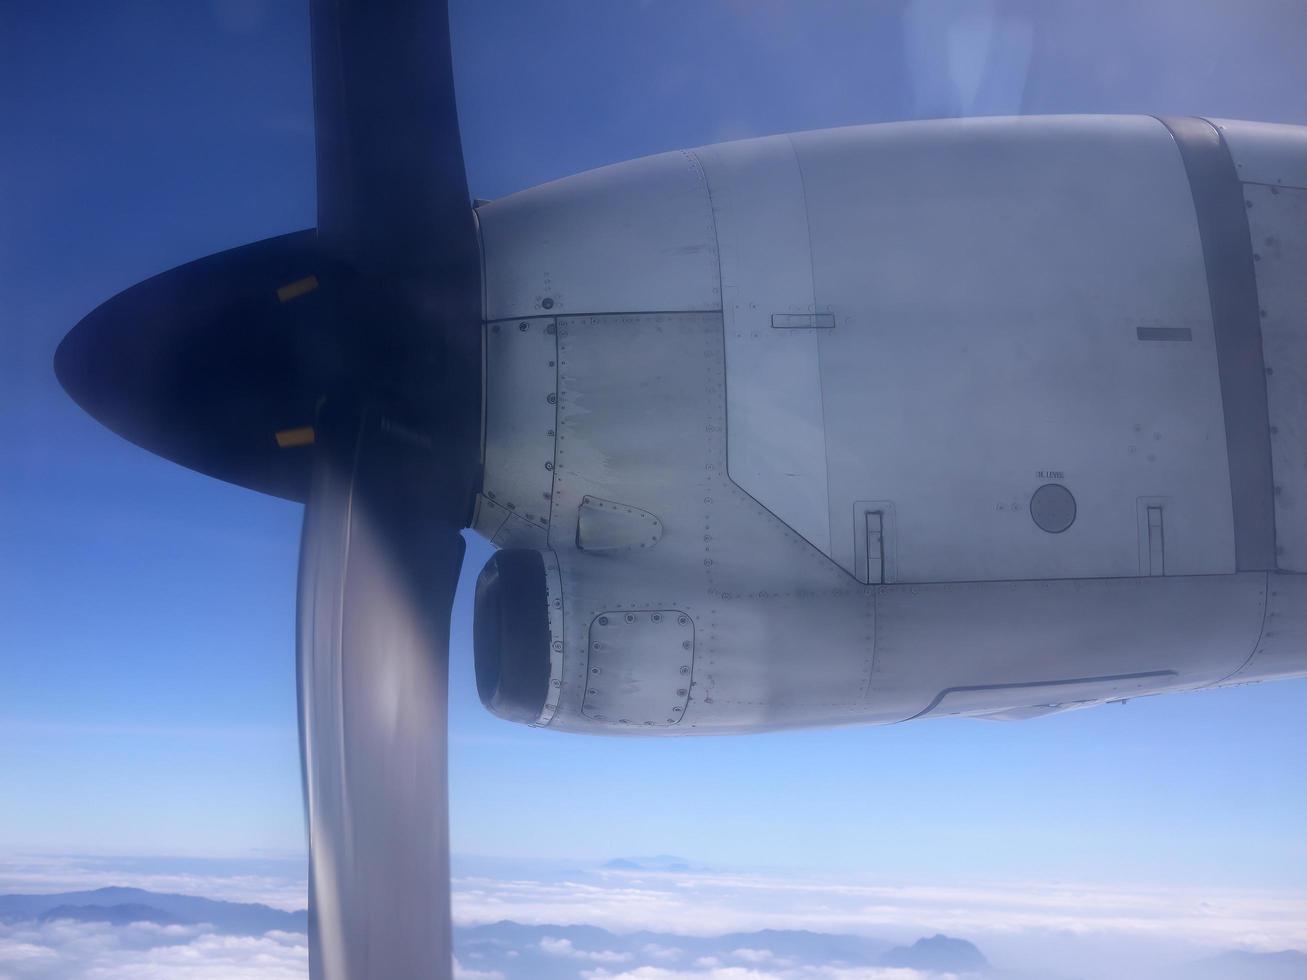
[1053, 508]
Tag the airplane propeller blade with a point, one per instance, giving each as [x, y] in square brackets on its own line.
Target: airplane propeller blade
[392, 191]
[378, 569]
[395, 467]
[341, 366]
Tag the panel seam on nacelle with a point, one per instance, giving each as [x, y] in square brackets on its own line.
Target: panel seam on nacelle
[812, 279]
[1257, 644]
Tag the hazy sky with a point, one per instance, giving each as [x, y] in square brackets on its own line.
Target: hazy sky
[147, 698]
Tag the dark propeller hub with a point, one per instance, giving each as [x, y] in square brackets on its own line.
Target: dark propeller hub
[218, 365]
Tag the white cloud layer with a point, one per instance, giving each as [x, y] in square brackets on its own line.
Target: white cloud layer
[65, 950]
[563, 947]
[462, 972]
[714, 903]
[751, 973]
[707, 904]
[1040, 928]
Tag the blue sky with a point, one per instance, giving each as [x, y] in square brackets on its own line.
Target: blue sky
[146, 613]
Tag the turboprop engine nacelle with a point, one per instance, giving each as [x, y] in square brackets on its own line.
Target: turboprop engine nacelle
[991, 417]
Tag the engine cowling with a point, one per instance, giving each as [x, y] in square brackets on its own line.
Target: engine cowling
[933, 418]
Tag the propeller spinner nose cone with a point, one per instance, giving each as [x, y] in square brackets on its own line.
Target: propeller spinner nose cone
[205, 364]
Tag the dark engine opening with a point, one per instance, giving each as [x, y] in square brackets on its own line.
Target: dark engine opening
[510, 633]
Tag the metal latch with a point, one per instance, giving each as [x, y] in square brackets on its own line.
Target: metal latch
[875, 546]
[1156, 542]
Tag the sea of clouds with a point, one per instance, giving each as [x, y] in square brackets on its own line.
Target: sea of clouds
[144, 951]
[1044, 929]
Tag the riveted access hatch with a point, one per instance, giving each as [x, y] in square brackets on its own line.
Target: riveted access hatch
[606, 525]
[640, 667]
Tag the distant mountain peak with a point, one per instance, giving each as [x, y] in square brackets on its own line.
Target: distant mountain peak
[656, 862]
[122, 906]
[938, 953]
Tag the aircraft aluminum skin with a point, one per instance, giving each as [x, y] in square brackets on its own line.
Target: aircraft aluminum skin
[991, 417]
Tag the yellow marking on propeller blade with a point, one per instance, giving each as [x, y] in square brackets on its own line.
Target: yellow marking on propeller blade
[296, 289]
[290, 438]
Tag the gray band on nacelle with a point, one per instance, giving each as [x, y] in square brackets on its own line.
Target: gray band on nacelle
[1236, 317]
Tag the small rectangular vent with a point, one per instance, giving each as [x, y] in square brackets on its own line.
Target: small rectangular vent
[803, 321]
[875, 560]
[1164, 333]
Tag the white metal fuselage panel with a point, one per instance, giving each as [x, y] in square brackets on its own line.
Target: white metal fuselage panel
[777, 447]
[984, 282]
[987, 280]
[633, 236]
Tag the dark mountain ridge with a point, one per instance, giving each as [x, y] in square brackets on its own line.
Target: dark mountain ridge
[108, 904]
[938, 953]
[1287, 964]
